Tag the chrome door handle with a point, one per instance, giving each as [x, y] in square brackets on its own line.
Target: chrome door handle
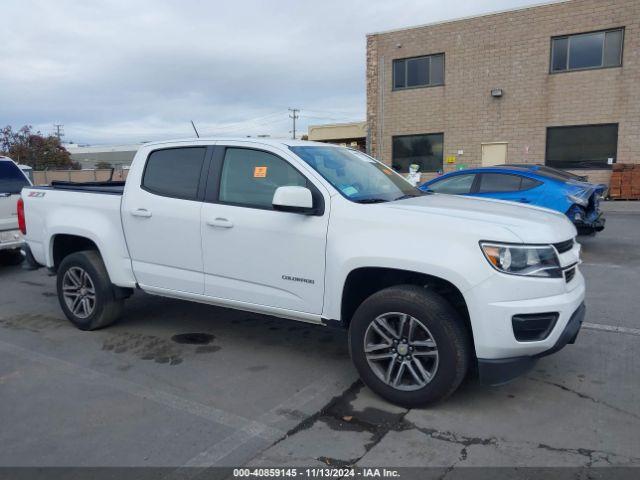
[220, 222]
[141, 212]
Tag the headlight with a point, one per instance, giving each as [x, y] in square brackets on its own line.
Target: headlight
[527, 260]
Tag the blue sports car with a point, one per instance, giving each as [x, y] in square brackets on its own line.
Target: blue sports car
[532, 184]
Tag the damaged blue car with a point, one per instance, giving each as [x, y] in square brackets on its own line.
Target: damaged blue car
[531, 184]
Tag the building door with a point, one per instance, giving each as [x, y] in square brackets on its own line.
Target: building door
[494, 154]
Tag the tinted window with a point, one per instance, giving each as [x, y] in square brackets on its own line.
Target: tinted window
[11, 178]
[559, 60]
[456, 185]
[498, 182]
[613, 48]
[424, 150]
[588, 146]
[418, 72]
[587, 50]
[174, 172]
[528, 183]
[399, 70]
[251, 177]
[436, 70]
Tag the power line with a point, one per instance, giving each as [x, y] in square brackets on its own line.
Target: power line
[294, 116]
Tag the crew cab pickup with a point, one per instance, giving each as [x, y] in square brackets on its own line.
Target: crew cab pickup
[430, 286]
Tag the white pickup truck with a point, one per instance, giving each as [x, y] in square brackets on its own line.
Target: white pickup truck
[429, 286]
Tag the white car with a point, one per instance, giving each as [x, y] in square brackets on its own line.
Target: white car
[429, 286]
[12, 180]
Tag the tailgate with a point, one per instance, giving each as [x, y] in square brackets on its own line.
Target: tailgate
[8, 211]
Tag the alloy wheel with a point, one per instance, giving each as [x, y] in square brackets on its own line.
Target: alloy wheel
[79, 292]
[401, 351]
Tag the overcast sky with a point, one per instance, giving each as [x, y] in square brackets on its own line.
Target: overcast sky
[136, 70]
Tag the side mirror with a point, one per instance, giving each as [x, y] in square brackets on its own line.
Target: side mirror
[293, 199]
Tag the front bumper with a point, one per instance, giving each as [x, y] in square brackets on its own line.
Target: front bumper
[503, 370]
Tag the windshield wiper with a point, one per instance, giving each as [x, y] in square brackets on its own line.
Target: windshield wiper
[371, 200]
[409, 195]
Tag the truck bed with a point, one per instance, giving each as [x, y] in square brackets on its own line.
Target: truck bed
[87, 210]
[113, 188]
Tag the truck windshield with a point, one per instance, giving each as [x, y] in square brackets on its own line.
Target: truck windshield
[357, 176]
[11, 178]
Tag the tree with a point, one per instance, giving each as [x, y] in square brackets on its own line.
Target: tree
[34, 149]
[103, 165]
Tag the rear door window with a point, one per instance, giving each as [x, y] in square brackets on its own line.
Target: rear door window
[499, 182]
[11, 178]
[456, 185]
[174, 172]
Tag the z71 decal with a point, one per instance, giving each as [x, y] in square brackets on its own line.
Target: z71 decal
[36, 194]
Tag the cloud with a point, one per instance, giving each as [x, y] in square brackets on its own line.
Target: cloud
[120, 71]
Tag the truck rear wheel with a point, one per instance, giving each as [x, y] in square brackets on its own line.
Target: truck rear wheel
[85, 292]
[409, 345]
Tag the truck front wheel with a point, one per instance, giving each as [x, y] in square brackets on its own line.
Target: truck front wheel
[85, 292]
[409, 345]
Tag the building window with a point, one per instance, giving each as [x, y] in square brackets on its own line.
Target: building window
[584, 146]
[425, 71]
[587, 50]
[423, 150]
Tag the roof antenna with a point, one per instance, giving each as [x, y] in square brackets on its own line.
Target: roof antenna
[195, 129]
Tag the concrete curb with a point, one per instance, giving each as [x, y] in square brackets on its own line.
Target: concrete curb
[620, 206]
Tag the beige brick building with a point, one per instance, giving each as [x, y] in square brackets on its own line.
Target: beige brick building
[493, 89]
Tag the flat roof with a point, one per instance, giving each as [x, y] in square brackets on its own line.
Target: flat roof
[470, 17]
[264, 141]
[103, 148]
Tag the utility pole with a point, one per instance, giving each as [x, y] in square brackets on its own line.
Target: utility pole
[294, 116]
[59, 130]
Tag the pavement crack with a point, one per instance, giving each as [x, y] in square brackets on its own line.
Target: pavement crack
[338, 414]
[585, 396]
[591, 454]
[451, 437]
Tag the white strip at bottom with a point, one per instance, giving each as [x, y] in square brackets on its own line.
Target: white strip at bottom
[611, 328]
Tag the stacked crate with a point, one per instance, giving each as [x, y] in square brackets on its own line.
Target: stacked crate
[625, 182]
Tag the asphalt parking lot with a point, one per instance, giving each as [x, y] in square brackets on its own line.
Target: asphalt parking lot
[249, 389]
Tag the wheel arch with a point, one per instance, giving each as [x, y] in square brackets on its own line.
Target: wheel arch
[64, 244]
[363, 282]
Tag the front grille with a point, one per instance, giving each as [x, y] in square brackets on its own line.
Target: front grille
[569, 274]
[532, 327]
[564, 246]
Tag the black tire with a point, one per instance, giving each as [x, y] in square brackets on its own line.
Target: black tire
[10, 257]
[106, 307]
[445, 326]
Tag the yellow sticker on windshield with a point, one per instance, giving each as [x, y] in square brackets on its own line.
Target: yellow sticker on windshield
[259, 172]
